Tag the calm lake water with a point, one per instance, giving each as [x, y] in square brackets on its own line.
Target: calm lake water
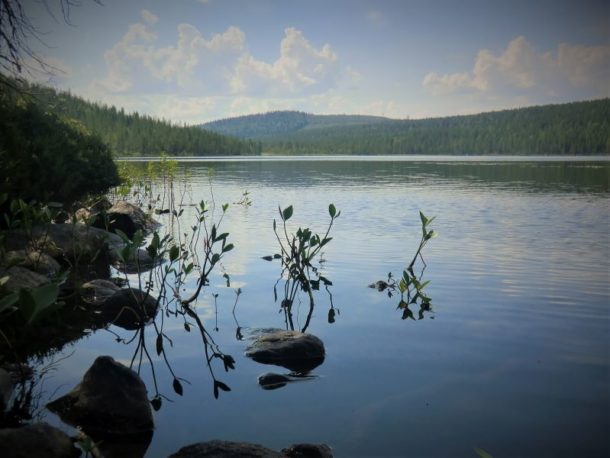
[514, 357]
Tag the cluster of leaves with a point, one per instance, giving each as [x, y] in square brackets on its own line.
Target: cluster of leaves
[410, 287]
[297, 253]
[177, 259]
[62, 162]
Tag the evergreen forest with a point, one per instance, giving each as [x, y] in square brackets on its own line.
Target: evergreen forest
[576, 128]
[132, 134]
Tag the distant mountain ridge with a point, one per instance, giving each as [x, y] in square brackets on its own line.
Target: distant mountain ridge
[273, 123]
[579, 128]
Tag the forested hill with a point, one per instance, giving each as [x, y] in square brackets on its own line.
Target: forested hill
[274, 123]
[138, 135]
[571, 128]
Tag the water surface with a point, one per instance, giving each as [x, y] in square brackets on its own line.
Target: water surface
[514, 357]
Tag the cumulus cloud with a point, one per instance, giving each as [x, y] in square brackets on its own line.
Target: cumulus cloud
[520, 68]
[299, 68]
[221, 64]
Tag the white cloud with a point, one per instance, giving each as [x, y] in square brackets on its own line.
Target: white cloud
[521, 69]
[300, 68]
[219, 65]
[149, 17]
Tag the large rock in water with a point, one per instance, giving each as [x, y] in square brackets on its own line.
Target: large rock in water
[36, 261]
[227, 449]
[293, 350]
[125, 217]
[20, 277]
[111, 399]
[129, 308]
[39, 439]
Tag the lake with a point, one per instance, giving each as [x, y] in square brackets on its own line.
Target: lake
[513, 357]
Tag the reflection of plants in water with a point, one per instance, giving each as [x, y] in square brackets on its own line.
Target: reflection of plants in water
[28, 391]
[298, 252]
[410, 286]
[198, 253]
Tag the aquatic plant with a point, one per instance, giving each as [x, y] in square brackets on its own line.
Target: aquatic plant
[410, 286]
[298, 252]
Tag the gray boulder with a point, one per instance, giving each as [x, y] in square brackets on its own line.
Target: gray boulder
[96, 292]
[141, 262]
[129, 308]
[225, 449]
[125, 217]
[20, 277]
[110, 399]
[69, 241]
[293, 350]
[308, 451]
[36, 261]
[39, 439]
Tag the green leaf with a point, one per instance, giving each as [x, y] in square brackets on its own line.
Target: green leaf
[8, 302]
[424, 220]
[177, 387]
[123, 236]
[287, 213]
[37, 300]
[213, 234]
[174, 253]
[215, 258]
[325, 241]
[482, 453]
[159, 344]
[332, 211]
[225, 207]
[229, 247]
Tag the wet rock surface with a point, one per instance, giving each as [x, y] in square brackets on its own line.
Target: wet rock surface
[293, 350]
[227, 449]
[96, 292]
[125, 217]
[20, 277]
[129, 308]
[37, 440]
[308, 451]
[35, 261]
[111, 399]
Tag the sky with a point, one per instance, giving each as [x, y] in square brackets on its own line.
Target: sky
[193, 61]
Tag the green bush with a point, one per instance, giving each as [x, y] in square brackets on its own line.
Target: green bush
[48, 158]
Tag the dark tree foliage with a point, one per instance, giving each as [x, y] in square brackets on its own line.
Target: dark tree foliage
[47, 158]
[571, 128]
[140, 135]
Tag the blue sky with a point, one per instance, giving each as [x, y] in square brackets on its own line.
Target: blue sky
[192, 61]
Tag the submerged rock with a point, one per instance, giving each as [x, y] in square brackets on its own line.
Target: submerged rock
[273, 381]
[39, 439]
[293, 350]
[111, 399]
